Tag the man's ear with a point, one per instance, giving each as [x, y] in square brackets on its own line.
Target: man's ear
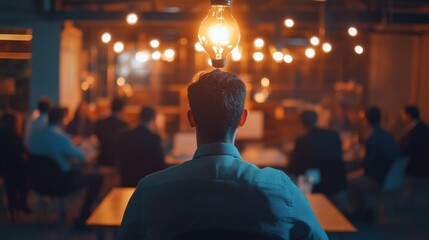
[243, 117]
[191, 118]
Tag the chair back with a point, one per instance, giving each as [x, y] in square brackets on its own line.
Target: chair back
[46, 176]
[227, 234]
[395, 177]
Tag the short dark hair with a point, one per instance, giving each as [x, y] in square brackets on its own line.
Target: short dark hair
[56, 115]
[373, 116]
[44, 104]
[308, 118]
[147, 114]
[412, 111]
[117, 105]
[216, 100]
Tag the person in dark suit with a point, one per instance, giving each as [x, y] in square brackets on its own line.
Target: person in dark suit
[107, 131]
[415, 143]
[13, 164]
[381, 150]
[319, 149]
[140, 150]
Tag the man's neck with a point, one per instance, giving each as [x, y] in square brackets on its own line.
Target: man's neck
[229, 138]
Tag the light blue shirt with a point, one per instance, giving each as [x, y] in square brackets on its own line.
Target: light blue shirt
[52, 141]
[217, 189]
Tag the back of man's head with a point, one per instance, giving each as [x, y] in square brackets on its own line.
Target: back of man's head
[308, 118]
[217, 101]
[147, 114]
[56, 115]
[412, 111]
[373, 116]
[44, 104]
[117, 105]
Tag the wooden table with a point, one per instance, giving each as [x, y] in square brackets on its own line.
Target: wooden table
[109, 213]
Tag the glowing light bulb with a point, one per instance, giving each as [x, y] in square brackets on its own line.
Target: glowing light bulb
[106, 37]
[314, 41]
[118, 47]
[359, 49]
[310, 53]
[142, 56]
[265, 82]
[288, 58]
[326, 47]
[154, 43]
[156, 55]
[236, 54]
[289, 22]
[277, 56]
[353, 31]
[258, 56]
[120, 81]
[199, 47]
[132, 18]
[259, 43]
[169, 55]
[219, 32]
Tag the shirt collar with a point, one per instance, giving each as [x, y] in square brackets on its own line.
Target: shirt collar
[217, 149]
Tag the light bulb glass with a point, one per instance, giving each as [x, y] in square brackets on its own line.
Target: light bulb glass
[132, 18]
[258, 56]
[156, 55]
[314, 41]
[265, 82]
[259, 43]
[278, 56]
[118, 47]
[154, 43]
[289, 22]
[219, 32]
[288, 58]
[310, 53]
[359, 49]
[236, 54]
[106, 37]
[199, 47]
[353, 31]
[326, 47]
[120, 81]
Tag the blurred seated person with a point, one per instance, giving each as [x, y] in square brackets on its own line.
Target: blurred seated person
[217, 189]
[381, 150]
[81, 125]
[415, 143]
[319, 149]
[52, 141]
[107, 131]
[38, 119]
[13, 164]
[140, 150]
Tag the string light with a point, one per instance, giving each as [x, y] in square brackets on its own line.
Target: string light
[118, 47]
[132, 18]
[289, 22]
[258, 56]
[259, 43]
[106, 37]
[288, 58]
[154, 43]
[359, 49]
[352, 31]
[314, 41]
[156, 55]
[277, 56]
[265, 82]
[310, 53]
[326, 47]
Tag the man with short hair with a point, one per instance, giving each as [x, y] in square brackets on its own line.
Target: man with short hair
[53, 142]
[319, 150]
[38, 119]
[217, 189]
[107, 131]
[140, 150]
[381, 150]
[415, 143]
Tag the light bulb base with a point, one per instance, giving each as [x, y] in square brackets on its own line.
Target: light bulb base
[218, 63]
[221, 2]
